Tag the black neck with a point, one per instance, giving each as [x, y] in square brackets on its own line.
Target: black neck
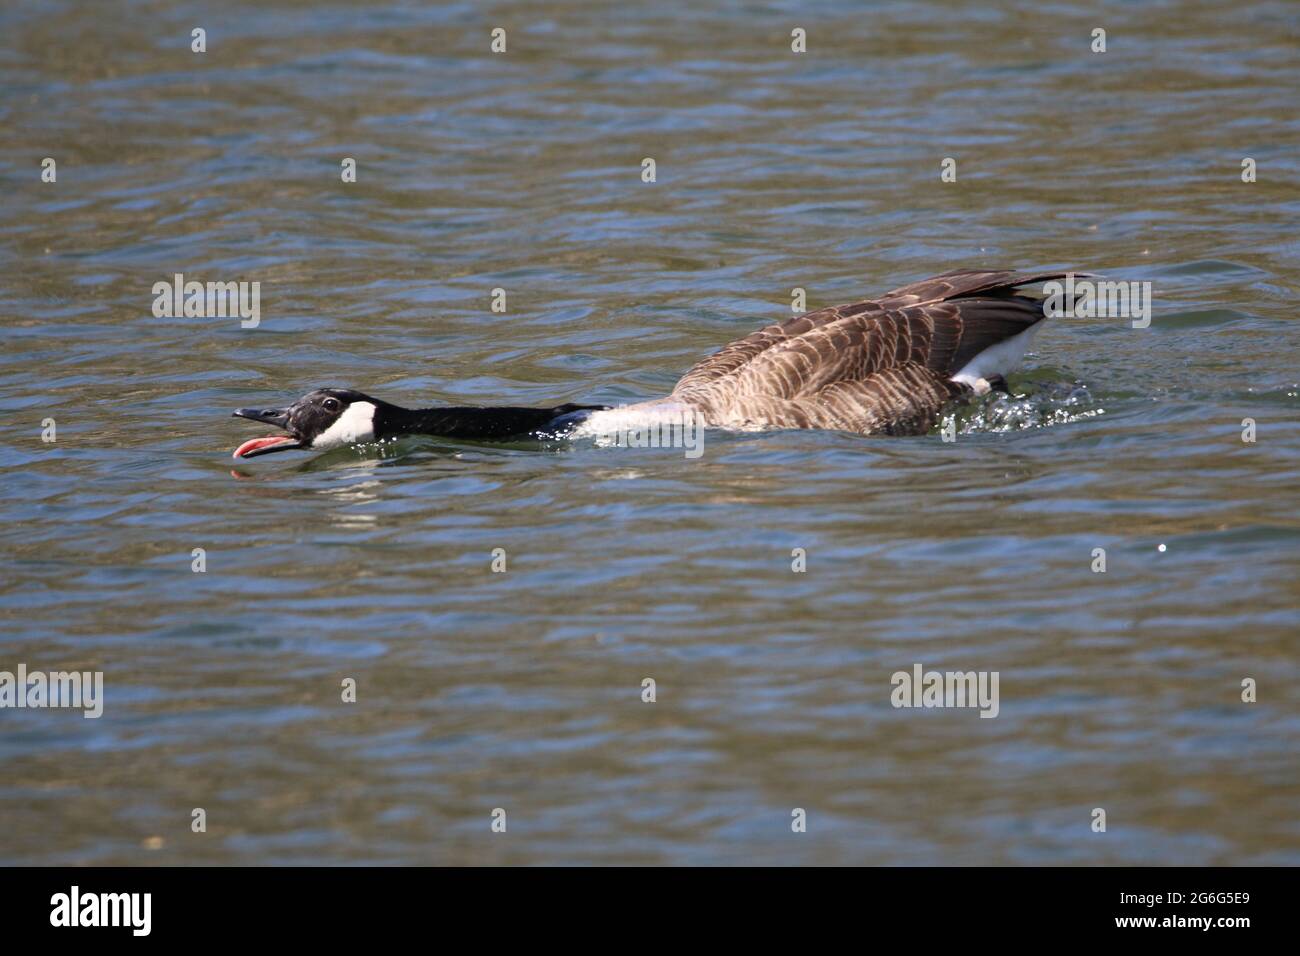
[470, 421]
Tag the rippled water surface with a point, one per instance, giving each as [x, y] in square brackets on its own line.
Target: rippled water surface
[522, 690]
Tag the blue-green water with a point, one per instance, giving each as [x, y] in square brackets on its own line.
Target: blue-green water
[522, 690]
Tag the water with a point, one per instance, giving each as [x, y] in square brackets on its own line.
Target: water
[522, 690]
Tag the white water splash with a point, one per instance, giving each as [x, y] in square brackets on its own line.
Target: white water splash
[1040, 405]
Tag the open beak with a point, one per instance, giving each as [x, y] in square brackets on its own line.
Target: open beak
[279, 417]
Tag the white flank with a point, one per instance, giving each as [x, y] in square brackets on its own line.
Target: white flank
[1001, 359]
[356, 424]
[615, 421]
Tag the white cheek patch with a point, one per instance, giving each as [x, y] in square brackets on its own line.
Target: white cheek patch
[356, 424]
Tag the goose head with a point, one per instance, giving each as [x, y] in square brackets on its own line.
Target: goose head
[320, 420]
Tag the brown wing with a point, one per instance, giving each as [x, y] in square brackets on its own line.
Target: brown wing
[739, 353]
[950, 285]
[902, 400]
[847, 348]
[781, 374]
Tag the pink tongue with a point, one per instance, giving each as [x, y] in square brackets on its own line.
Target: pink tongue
[254, 443]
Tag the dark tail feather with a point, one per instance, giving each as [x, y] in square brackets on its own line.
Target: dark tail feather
[961, 283]
[986, 322]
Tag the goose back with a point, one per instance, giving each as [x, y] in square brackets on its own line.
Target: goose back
[878, 366]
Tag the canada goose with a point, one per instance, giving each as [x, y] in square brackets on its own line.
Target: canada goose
[881, 366]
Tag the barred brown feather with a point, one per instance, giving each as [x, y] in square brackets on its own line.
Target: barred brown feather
[880, 366]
